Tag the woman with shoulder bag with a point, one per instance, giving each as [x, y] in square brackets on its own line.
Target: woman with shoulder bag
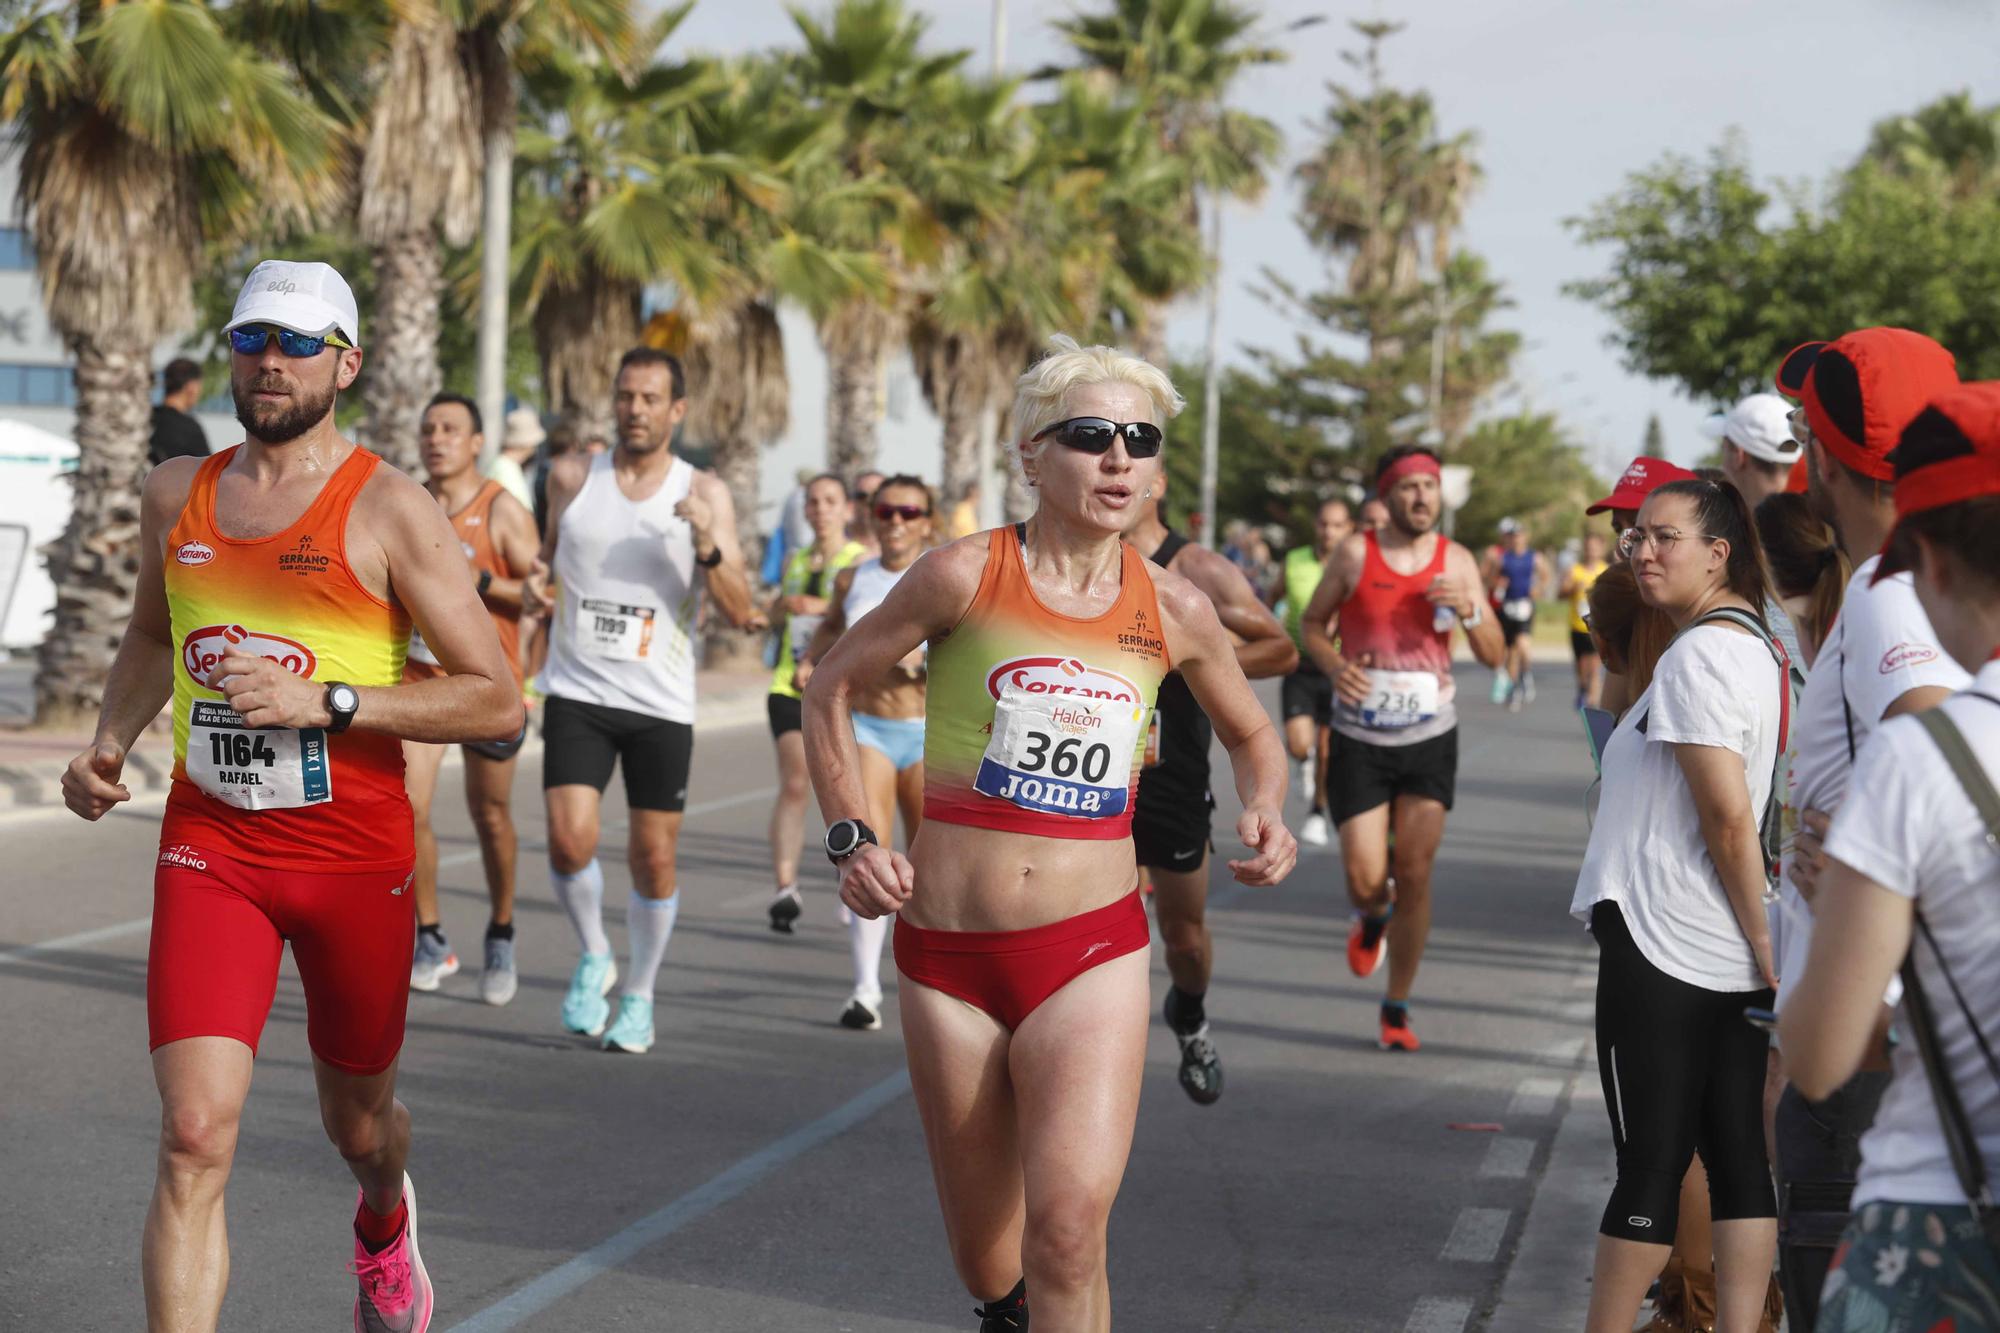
[1672, 887]
[1913, 881]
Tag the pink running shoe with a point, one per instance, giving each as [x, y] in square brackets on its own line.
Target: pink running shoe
[396, 1294]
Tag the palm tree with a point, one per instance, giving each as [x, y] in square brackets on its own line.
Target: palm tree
[1178, 58]
[863, 68]
[144, 131]
[439, 128]
[610, 202]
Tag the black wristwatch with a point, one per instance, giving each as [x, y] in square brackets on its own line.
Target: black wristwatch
[846, 837]
[342, 700]
[712, 559]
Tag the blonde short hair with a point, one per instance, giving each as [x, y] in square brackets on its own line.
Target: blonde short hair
[1041, 395]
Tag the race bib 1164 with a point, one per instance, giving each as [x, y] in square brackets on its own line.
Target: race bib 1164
[255, 768]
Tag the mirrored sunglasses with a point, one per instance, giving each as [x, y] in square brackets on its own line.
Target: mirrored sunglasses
[252, 339]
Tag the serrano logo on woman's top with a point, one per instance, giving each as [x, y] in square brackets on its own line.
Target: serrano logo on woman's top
[204, 648]
[1061, 675]
[194, 553]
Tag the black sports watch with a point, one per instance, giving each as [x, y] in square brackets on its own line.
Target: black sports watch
[342, 701]
[711, 560]
[846, 837]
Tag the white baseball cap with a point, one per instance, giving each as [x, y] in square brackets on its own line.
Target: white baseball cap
[1760, 426]
[310, 298]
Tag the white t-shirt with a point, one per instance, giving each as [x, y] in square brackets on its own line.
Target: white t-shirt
[1879, 647]
[1714, 686]
[1918, 834]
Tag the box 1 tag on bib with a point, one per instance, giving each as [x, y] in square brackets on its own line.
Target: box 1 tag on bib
[614, 632]
[1061, 755]
[1398, 699]
[255, 768]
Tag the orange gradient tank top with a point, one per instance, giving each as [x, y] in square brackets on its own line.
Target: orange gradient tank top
[1035, 722]
[274, 796]
[474, 526]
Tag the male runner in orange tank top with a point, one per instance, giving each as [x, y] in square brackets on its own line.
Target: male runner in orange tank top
[277, 586]
[1391, 598]
[497, 533]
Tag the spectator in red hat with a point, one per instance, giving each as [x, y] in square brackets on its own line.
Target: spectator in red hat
[1879, 659]
[1642, 474]
[1917, 857]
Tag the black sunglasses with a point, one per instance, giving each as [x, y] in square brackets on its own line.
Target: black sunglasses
[1093, 435]
[251, 340]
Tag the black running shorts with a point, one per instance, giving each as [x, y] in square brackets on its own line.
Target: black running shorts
[1362, 777]
[1512, 629]
[1170, 828]
[501, 751]
[581, 743]
[1307, 692]
[1581, 645]
[786, 713]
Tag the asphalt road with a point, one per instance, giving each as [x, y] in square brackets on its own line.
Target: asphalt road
[763, 1168]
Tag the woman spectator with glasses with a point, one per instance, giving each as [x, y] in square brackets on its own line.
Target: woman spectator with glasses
[1673, 886]
[1912, 873]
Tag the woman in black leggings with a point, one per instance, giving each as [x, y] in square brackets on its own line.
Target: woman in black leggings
[1672, 887]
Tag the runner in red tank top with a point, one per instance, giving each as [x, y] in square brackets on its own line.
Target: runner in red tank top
[1390, 598]
[497, 534]
[277, 586]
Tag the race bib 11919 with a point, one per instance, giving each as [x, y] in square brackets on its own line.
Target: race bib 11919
[613, 631]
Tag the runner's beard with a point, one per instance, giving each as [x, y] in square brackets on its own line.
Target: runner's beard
[280, 423]
[1402, 520]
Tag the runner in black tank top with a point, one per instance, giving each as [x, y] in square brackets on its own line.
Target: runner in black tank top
[1170, 827]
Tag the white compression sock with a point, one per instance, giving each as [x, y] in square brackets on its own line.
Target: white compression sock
[865, 939]
[582, 897]
[650, 922]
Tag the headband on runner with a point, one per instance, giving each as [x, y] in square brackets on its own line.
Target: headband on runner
[1405, 466]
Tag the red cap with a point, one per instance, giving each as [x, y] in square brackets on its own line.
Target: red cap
[1860, 390]
[1642, 474]
[1949, 453]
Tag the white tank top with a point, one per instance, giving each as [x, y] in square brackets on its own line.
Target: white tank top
[870, 584]
[624, 620]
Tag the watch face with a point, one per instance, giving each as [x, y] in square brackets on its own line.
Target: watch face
[345, 700]
[840, 839]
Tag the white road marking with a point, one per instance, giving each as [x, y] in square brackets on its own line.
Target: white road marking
[1475, 1237]
[1535, 1096]
[1439, 1314]
[1507, 1158]
[525, 1304]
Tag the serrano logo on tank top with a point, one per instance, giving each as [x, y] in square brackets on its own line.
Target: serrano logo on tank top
[305, 558]
[194, 553]
[207, 646]
[1061, 675]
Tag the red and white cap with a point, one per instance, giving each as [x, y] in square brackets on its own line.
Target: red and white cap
[1949, 453]
[1861, 389]
[1642, 474]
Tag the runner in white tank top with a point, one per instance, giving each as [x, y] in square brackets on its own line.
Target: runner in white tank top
[633, 537]
[626, 595]
[888, 712]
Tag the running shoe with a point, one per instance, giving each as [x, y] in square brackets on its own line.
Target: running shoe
[396, 1295]
[1314, 832]
[1528, 685]
[1367, 942]
[432, 963]
[1201, 1067]
[1009, 1314]
[785, 908]
[584, 1009]
[632, 1033]
[1502, 685]
[1396, 1034]
[499, 980]
[862, 1016]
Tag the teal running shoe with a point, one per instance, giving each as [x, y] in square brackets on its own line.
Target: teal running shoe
[584, 1009]
[633, 1032]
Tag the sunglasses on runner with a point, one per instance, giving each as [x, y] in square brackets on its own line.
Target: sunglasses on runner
[252, 339]
[1093, 435]
[1801, 428]
[908, 513]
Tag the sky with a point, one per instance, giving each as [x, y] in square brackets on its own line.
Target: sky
[1566, 97]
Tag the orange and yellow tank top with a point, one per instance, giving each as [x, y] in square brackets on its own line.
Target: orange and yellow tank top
[274, 796]
[1036, 721]
[474, 526]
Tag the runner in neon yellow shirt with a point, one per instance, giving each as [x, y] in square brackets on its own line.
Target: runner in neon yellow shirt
[1306, 697]
[1576, 590]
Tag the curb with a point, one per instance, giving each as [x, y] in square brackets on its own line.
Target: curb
[1548, 1283]
[149, 771]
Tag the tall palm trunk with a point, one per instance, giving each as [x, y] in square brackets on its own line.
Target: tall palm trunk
[738, 399]
[957, 377]
[857, 338]
[400, 373]
[95, 563]
[581, 332]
